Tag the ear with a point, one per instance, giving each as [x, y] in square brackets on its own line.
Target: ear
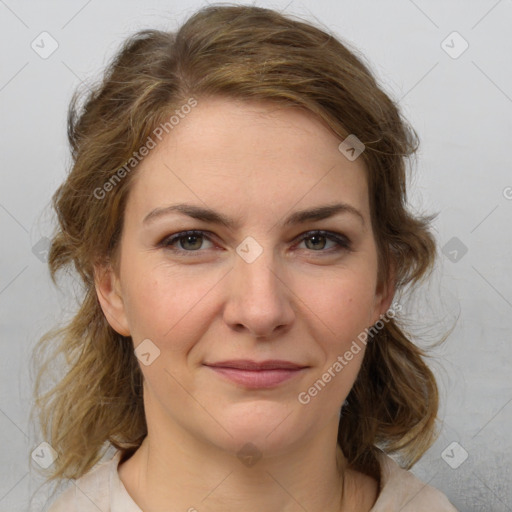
[384, 295]
[110, 296]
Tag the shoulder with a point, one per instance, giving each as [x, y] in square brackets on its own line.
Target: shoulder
[91, 492]
[401, 490]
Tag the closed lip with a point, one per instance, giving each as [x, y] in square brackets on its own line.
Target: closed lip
[246, 364]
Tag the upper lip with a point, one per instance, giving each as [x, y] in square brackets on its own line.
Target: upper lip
[246, 364]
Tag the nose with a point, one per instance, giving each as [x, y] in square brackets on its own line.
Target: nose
[260, 298]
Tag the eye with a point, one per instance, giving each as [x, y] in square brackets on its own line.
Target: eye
[189, 242]
[319, 239]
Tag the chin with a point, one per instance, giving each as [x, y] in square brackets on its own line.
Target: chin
[267, 435]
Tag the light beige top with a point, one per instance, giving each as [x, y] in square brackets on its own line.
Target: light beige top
[101, 490]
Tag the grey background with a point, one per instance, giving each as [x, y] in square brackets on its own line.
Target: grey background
[462, 110]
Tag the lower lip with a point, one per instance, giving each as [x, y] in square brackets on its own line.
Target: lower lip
[257, 378]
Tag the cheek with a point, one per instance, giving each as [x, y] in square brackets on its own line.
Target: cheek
[343, 309]
[344, 305]
[344, 314]
[163, 301]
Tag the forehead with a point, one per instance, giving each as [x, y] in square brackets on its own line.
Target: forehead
[248, 158]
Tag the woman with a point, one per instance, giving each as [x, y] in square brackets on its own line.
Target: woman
[237, 213]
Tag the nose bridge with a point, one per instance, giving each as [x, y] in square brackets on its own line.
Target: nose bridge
[259, 298]
[256, 267]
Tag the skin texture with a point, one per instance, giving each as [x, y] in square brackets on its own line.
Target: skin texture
[300, 300]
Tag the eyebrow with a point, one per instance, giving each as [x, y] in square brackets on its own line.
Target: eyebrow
[211, 216]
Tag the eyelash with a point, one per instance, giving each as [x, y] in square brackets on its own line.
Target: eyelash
[344, 244]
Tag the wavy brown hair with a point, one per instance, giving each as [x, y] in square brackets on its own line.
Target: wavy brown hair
[245, 53]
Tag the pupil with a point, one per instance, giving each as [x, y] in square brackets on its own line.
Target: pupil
[316, 237]
[192, 237]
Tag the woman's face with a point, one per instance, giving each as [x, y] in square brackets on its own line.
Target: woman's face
[261, 289]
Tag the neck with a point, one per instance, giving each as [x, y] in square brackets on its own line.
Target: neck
[179, 476]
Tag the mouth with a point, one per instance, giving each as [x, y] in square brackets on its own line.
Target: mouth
[247, 364]
[254, 375]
